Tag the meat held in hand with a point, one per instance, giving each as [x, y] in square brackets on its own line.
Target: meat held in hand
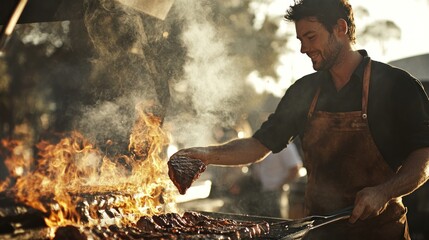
[183, 171]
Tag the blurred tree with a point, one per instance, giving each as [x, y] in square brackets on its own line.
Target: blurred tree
[258, 47]
[381, 31]
[361, 12]
[46, 73]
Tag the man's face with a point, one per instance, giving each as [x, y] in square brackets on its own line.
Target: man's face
[322, 47]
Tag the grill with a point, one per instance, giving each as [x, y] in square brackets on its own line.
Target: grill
[18, 221]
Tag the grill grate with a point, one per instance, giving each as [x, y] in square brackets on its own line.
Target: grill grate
[18, 221]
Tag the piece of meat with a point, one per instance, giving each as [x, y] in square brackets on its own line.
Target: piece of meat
[146, 224]
[69, 233]
[202, 224]
[183, 171]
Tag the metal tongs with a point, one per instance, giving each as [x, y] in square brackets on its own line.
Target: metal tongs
[7, 30]
[298, 228]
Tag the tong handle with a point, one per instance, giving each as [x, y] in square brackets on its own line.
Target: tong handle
[318, 220]
[344, 213]
[304, 225]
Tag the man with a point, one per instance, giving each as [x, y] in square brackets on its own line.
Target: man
[364, 127]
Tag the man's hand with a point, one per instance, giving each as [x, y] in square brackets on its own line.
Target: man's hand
[369, 202]
[372, 201]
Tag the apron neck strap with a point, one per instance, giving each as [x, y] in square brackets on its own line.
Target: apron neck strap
[365, 91]
[313, 103]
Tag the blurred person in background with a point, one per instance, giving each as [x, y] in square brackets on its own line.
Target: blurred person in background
[363, 124]
[273, 176]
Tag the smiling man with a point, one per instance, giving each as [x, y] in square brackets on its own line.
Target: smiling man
[364, 127]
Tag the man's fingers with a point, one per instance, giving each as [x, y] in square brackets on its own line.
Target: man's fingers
[368, 203]
[366, 214]
[356, 214]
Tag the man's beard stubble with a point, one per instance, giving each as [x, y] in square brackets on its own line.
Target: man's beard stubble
[330, 54]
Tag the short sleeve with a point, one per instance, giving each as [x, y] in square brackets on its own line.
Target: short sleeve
[412, 112]
[290, 116]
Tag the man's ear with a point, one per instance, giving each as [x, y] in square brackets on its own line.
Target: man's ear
[342, 28]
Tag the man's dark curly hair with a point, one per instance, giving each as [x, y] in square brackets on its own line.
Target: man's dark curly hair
[327, 12]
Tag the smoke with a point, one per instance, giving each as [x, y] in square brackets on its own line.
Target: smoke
[139, 59]
[106, 121]
[121, 76]
[212, 82]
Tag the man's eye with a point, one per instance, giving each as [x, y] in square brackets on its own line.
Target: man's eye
[311, 37]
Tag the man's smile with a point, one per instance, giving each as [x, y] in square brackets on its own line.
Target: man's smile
[313, 56]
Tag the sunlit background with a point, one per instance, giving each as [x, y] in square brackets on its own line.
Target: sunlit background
[211, 71]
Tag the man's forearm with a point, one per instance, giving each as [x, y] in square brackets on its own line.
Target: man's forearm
[413, 173]
[237, 152]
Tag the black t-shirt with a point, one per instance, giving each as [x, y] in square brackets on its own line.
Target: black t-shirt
[398, 109]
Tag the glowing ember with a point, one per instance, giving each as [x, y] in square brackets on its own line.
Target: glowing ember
[67, 171]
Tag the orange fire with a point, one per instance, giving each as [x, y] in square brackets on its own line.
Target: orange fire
[66, 171]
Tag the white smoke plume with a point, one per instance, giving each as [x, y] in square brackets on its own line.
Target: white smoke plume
[212, 82]
[205, 95]
[120, 77]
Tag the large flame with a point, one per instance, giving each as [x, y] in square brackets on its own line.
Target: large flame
[74, 167]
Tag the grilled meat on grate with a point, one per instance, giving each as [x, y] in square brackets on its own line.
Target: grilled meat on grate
[172, 226]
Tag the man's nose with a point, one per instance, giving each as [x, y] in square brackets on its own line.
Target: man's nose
[304, 48]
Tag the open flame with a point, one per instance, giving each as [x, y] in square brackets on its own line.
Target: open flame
[66, 171]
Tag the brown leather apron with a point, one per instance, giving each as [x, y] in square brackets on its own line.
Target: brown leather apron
[341, 159]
